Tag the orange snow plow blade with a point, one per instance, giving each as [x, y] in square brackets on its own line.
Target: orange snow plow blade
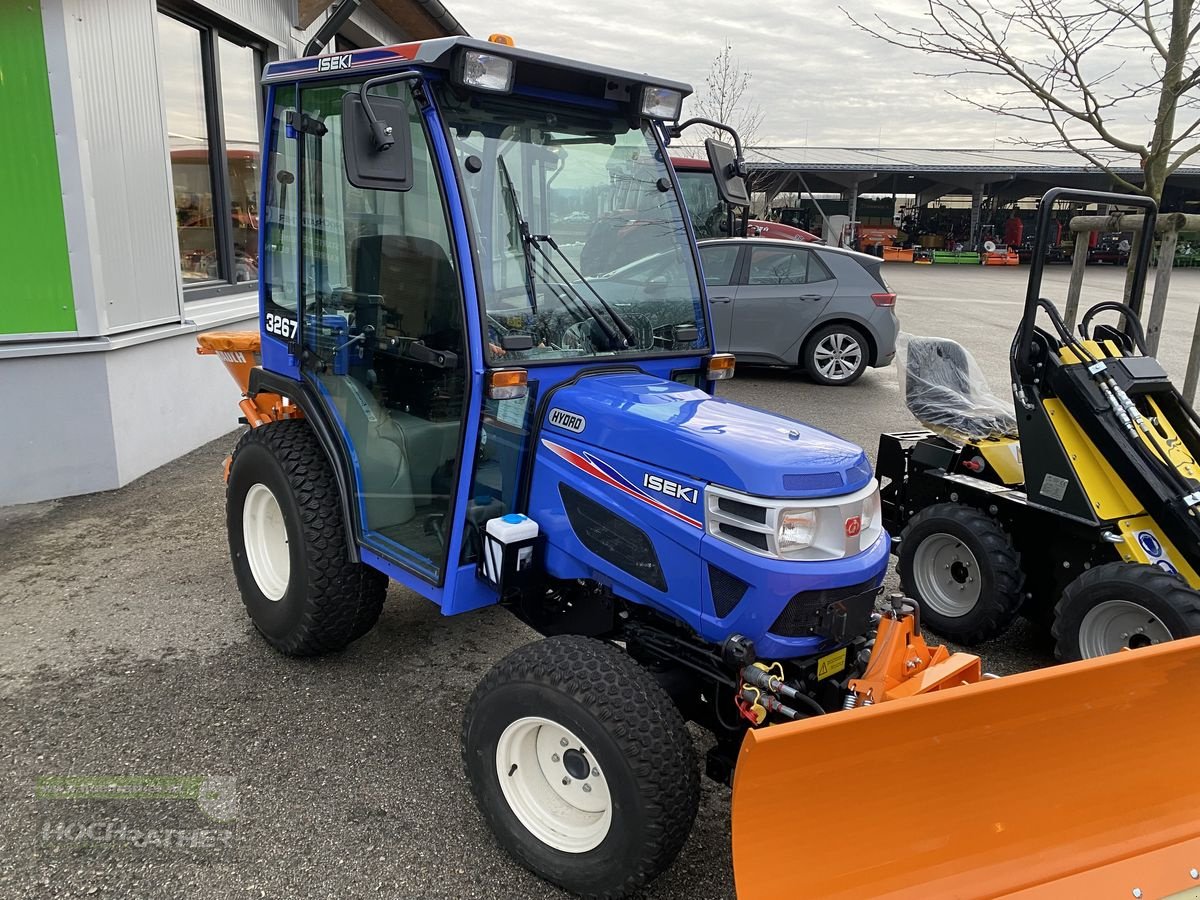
[1076, 781]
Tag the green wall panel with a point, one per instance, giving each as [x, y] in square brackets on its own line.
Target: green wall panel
[37, 296]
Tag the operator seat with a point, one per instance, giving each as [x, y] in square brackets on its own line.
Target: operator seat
[940, 391]
[419, 287]
[415, 279]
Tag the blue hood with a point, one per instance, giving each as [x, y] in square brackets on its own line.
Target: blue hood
[680, 428]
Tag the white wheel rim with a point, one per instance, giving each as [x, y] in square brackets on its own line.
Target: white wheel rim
[837, 356]
[1117, 624]
[946, 575]
[553, 785]
[264, 534]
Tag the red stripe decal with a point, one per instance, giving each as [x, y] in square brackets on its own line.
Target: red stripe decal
[585, 464]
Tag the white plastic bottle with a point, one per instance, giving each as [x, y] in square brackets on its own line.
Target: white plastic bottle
[508, 530]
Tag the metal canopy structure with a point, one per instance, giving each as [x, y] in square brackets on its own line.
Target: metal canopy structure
[1009, 174]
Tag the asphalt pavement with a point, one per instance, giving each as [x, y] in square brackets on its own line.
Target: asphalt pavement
[125, 650]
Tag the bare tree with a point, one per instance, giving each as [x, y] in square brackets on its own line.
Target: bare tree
[724, 98]
[1089, 70]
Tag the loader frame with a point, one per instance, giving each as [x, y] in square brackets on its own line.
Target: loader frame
[1092, 487]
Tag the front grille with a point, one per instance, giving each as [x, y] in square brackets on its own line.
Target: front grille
[743, 510]
[612, 538]
[727, 590]
[813, 481]
[838, 613]
[746, 536]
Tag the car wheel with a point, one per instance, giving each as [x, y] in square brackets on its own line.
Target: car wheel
[835, 354]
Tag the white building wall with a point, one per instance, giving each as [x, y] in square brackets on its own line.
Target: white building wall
[129, 394]
[121, 129]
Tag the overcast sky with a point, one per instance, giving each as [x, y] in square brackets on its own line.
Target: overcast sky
[818, 78]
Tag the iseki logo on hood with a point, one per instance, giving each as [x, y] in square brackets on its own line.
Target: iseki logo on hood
[669, 488]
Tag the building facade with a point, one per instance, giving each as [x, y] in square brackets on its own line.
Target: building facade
[130, 180]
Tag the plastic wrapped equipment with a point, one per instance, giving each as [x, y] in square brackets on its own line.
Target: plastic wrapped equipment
[945, 389]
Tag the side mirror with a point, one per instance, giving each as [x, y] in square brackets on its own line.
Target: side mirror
[684, 334]
[728, 170]
[373, 163]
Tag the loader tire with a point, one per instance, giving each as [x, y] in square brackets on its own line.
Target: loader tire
[288, 544]
[961, 567]
[581, 765]
[1123, 605]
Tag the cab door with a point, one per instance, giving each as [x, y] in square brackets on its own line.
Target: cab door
[783, 292]
[383, 332]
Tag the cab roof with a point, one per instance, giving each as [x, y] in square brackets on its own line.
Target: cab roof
[538, 71]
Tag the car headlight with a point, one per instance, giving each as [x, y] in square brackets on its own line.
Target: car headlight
[795, 529]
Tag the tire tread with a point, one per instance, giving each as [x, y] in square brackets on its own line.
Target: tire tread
[345, 598]
[1007, 597]
[640, 718]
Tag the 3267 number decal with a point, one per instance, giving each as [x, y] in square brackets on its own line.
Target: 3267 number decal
[281, 326]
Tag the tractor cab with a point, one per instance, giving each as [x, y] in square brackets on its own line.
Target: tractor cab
[461, 238]
[429, 290]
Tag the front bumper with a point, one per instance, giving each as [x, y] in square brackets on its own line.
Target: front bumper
[776, 602]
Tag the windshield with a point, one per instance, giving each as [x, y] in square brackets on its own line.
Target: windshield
[580, 238]
[704, 206]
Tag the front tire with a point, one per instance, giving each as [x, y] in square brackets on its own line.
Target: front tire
[1123, 605]
[581, 766]
[963, 570]
[288, 544]
[836, 355]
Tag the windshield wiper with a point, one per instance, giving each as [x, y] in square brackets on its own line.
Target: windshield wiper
[626, 330]
[530, 241]
[522, 228]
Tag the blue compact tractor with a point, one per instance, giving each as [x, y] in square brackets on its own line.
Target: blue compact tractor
[486, 371]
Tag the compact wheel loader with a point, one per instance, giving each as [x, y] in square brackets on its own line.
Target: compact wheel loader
[438, 396]
[1079, 510]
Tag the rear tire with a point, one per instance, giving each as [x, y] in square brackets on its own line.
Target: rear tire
[581, 765]
[961, 567]
[836, 355]
[1122, 604]
[288, 544]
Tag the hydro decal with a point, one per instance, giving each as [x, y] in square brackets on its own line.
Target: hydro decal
[587, 463]
[568, 421]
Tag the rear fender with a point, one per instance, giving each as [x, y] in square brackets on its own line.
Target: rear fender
[329, 437]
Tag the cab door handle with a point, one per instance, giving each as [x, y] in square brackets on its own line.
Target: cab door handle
[811, 297]
[720, 299]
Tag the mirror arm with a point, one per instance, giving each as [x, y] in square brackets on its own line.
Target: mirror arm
[677, 131]
[381, 132]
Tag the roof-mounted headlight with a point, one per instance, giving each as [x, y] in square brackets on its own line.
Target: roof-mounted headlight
[661, 103]
[485, 71]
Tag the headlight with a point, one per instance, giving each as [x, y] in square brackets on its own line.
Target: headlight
[823, 528]
[485, 71]
[661, 103]
[796, 529]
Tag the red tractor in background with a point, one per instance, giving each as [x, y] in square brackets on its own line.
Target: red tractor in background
[709, 213]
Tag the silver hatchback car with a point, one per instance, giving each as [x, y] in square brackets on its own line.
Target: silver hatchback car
[825, 310]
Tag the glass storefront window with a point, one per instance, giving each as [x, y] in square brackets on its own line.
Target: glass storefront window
[211, 95]
[239, 109]
[187, 129]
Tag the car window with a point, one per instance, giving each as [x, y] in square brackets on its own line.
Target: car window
[717, 261]
[817, 270]
[780, 265]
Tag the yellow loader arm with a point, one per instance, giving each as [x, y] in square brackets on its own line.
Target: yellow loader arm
[1076, 781]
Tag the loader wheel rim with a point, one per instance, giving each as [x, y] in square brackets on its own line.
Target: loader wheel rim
[539, 764]
[946, 575]
[264, 534]
[1115, 625]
